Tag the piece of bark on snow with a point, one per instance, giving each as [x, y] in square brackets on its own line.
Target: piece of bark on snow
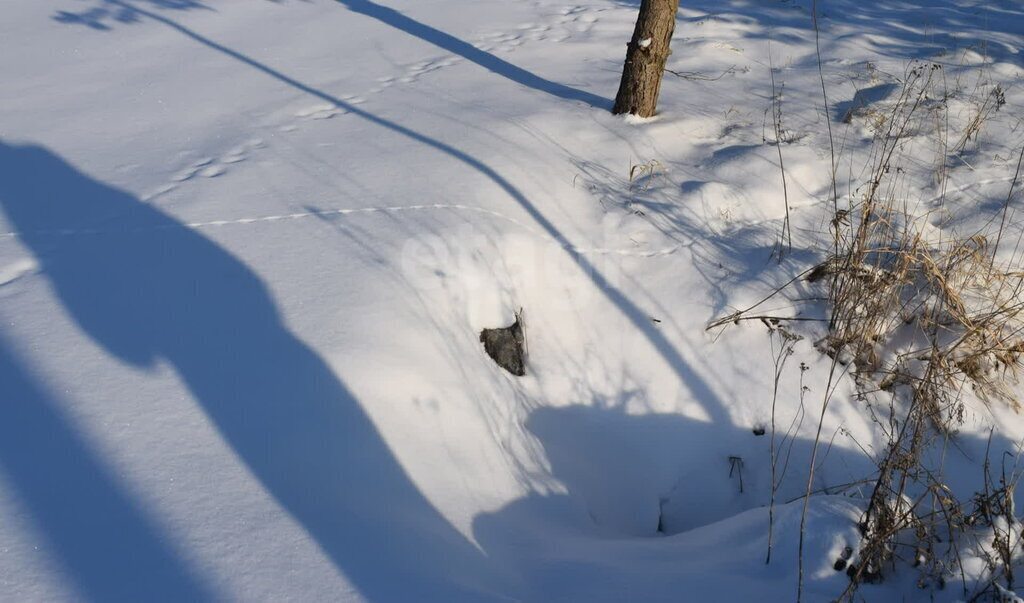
[505, 346]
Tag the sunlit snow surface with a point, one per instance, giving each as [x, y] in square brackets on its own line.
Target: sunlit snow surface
[247, 249]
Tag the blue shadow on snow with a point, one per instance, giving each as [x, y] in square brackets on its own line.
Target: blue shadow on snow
[146, 288]
[639, 317]
[456, 46]
[102, 540]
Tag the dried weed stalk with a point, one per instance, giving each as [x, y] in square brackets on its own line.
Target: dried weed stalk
[923, 317]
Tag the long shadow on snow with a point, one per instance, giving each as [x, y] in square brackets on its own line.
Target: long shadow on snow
[630, 478]
[147, 288]
[625, 476]
[106, 10]
[103, 541]
[450, 43]
[640, 319]
[126, 12]
[917, 29]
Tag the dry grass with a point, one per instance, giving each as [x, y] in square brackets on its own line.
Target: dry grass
[911, 305]
[927, 320]
[922, 315]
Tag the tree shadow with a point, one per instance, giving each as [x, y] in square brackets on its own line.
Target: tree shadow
[725, 258]
[701, 390]
[635, 479]
[630, 480]
[103, 541]
[641, 475]
[921, 29]
[96, 17]
[488, 61]
[918, 29]
[124, 12]
[147, 289]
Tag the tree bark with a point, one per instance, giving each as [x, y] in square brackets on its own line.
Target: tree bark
[645, 58]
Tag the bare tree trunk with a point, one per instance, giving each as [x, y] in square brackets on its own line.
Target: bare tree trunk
[645, 58]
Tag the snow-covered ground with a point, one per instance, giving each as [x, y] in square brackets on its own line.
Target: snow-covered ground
[247, 248]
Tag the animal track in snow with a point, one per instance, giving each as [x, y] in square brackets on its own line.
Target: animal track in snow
[499, 41]
[636, 252]
[327, 110]
[570, 20]
[567, 22]
[192, 170]
[320, 111]
[413, 72]
[207, 167]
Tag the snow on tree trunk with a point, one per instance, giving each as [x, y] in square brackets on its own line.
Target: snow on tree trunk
[645, 58]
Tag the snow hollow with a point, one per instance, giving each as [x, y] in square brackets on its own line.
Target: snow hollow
[256, 257]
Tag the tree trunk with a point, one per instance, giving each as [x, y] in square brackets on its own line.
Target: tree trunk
[645, 58]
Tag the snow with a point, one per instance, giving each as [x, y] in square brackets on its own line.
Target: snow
[247, 248]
